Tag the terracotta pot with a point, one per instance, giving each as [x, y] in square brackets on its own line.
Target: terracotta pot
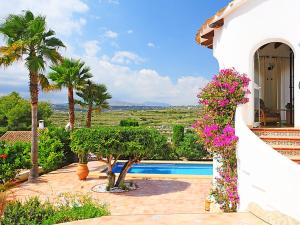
[207, 205]
[82, 171]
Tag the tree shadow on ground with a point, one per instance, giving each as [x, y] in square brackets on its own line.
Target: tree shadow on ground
[155, 187]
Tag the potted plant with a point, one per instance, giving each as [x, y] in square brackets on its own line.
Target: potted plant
[82, 169]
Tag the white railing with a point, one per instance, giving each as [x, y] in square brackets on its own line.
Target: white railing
[266, 177]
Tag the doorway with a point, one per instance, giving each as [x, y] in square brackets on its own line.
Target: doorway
[274, 86]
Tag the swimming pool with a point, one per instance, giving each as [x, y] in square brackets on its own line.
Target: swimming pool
[167, 168]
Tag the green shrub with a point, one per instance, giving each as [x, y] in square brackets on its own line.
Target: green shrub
[31, 212]
[3, 130]
[86, 211]
[54, 148]
[35, 212]
[178, 135]
[190, 148]
[129, 123]
[13, 157]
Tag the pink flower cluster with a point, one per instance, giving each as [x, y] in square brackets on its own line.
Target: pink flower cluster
[223, 102]
[208, 131]
[226, 138]
[220, 98]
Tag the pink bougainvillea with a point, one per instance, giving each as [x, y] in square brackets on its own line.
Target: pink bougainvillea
[216, 130]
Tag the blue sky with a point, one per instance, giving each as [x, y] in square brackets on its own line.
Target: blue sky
[143, 50]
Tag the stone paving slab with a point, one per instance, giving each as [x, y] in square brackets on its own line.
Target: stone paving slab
[176, 219]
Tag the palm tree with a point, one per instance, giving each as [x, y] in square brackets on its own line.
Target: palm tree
[72, 74]
[27, 38]
[93, 97]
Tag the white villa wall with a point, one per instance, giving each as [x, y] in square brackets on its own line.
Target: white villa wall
[265, 177]
[254, 24]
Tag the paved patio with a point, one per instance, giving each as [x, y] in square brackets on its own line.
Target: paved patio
[154, 196]
[157, 201]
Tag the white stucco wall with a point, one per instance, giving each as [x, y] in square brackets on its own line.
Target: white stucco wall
[254, 24]
[265, 177]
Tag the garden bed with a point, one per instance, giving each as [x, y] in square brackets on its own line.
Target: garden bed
[102, 188]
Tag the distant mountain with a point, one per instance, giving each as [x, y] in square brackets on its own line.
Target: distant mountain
[120, 103]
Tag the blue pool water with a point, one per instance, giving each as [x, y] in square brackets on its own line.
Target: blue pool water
[167, 168]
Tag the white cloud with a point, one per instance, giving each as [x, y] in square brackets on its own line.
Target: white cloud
[115, 2]
[126, 58]
[143, 85]
[111, 34]
[129, 31]
[91, 48]
[151, 45]
[60, 14]
[123, 82]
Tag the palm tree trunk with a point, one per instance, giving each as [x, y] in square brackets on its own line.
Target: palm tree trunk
[34, 92]
[71, 107]
[89, 116]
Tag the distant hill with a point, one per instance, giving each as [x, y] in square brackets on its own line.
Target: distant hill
[118, 105]
[122, 103]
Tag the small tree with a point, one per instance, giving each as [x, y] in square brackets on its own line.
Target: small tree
[109, 144]
[178, 135]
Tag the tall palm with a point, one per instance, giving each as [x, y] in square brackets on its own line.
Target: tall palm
[27, 38]
[93, 97]
[71, 74]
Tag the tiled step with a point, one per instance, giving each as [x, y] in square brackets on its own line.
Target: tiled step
[293, 141]
[285, 148]
[277, 132]
[284, 140]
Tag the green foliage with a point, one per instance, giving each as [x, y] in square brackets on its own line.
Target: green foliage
[131, 143]
[35, 212]
[129, 123]
[31, 211]
[26, 36]
[190, 148]
[76, 213]
[127, 142]
[13, 157]
[54, 148]
[178, 135]
[2, 130]
[15, 112]
[94, 95]
[70, 73]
